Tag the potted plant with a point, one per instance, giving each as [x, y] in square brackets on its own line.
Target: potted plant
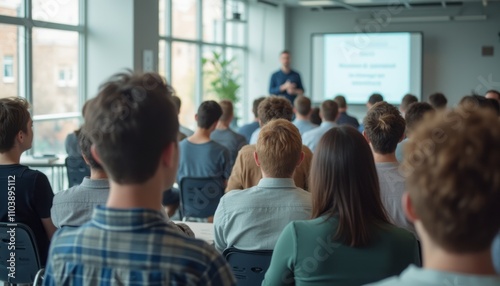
[222, 77]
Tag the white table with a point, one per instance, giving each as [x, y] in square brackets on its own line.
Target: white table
[201, 230]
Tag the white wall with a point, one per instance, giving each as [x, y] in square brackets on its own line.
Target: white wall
[266, 39]
[452, 61]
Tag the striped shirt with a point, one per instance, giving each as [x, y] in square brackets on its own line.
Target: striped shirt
[132, 247]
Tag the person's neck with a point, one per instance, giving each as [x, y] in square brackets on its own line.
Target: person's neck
[285, 69]
[385, 158]
[342, 110]
[13, 156]
[200, 136]
[436, 258]
[96, 174]
[264, 175]
[146, 195]
[301, 117]
[327, 121]
[222, 125]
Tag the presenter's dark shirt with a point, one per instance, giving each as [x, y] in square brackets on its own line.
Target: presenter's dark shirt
[33, 197]
[278, 78]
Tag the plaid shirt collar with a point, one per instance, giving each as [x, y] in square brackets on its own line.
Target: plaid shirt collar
[126, 219]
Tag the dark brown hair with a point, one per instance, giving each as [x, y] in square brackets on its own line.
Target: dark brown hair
[415, 114]
[344, 183]
[453, 178]
[208, 113]
[340, 100]
[255, 106]
[384, 126]
[374, 98]
[227, 110]
[303, 105]
[407, 100]
[14, 117]
[275, 107]
[315, 116]
[329, 110]
[85, 144]
[130, 123]
[438, 100]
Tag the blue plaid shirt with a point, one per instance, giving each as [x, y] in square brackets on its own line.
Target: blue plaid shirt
[132, 247]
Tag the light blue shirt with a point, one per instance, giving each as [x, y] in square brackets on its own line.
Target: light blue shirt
[496, 253]
[255, 136]
[414, 276]
[229, 139]
[304, 125]
[399, 150]
[253, 219]
[311, 138]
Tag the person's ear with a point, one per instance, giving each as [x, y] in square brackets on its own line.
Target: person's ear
[20, 137]
[168, 156]
[85, 159]
[301, 159]
[402, 137]
[260, 122]
[256, 158]
[95, 155]
[196, 117]
[408, 208]
[366, 137]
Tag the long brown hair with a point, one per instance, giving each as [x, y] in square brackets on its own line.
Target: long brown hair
[344, 183]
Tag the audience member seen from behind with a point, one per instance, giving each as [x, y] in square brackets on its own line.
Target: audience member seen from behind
[28, 191]
[252, 219]
[374, 98]
[200, 156]
[315, 119]
[493, 94]
[438, 100]
[344, 118]
[183, 131]
[224, 135]
[384, 129]
[329, 113]
[128, 241]
[248, 129]
[71, 143]
[302, 110]
[246, 173]
[350, 240]
[407, 100]
[414, 115]
[453, 198]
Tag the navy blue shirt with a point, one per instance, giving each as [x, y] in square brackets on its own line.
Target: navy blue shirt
[346, 119]
[278, 78]
[248, 129]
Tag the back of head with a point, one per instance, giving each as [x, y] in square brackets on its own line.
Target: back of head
[227, 110]
[384, 127]
[275, 107]
[315, 116]
[493, 94]
[255, 106]
[329, 110]
[374, 98]
[279, 147]
[407, 100]
[473, 102]
[14, 117]
[438, 100]
[415, 114]
[303, 105]
[453, 178]
[344, 182]
[340, 100]
[208, 113]
[85, 145]
[131, 122]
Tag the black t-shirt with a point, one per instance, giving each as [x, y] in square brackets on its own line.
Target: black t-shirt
[33, 198]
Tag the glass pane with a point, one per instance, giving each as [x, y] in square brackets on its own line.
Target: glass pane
[237, 56]
[184, 80]
[12, 8]
[162, 58]
[184, 19]
[162, 16]
[49, 135]
[212, 21]
[64, 12]
[235, 33]
[211, 71]
[9, 60]
[55, 71]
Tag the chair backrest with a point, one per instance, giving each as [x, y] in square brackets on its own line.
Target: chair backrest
[19, 259]
[200, 196]
[77, 169]
[249, 267]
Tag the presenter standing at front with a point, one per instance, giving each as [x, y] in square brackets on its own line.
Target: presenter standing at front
[286, 82]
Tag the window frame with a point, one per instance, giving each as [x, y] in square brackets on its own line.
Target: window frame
[25, 57]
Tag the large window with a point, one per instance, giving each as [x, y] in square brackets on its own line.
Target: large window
[192, 31]
[41, 56]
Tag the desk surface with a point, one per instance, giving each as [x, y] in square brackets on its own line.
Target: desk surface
[201, 230]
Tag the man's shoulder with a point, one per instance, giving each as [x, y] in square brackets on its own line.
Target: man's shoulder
[248, 149]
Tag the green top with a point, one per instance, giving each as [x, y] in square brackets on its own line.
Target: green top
[306, 254]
